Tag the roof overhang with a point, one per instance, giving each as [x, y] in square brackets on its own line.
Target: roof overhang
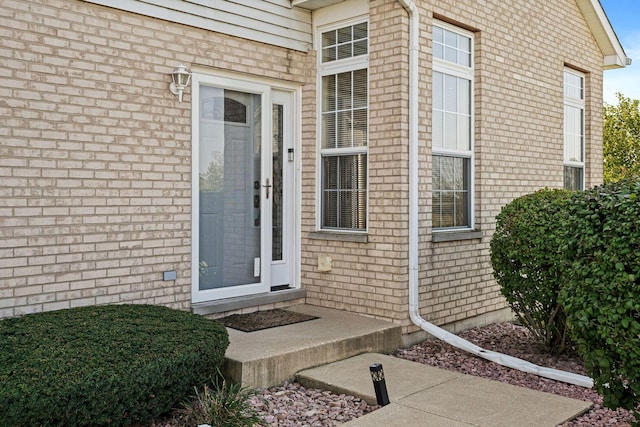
[605, 36]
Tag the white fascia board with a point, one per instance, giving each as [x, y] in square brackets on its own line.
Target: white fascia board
[614, 61]
[604, 34]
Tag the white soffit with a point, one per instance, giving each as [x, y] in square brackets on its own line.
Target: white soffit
[604, 34]
[314, 4]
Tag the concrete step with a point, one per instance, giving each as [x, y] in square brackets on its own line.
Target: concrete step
[422, 395]
[270, 357]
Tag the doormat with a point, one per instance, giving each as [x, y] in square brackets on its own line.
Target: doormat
[260, 320]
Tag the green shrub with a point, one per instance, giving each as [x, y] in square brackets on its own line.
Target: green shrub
[602, 296]
[108, 365]
[525, 257]
[224, 405]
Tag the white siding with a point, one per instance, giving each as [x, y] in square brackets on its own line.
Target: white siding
[268, 21]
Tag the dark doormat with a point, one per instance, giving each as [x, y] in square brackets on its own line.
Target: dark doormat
[264, 319]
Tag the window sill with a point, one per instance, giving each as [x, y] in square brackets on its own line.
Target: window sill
[339, 237]
[450, 236]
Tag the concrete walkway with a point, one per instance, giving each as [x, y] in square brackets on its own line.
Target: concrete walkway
[334, 352]
[424, 396]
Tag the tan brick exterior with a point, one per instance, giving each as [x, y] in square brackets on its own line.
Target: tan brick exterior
[521, 50]
[95, 160]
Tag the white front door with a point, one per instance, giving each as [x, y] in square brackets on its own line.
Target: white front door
[242, 188]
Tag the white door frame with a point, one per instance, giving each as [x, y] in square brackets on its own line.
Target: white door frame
[270, 94]
[283, 272]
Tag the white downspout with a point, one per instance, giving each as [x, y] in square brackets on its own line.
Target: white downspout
[454, 340]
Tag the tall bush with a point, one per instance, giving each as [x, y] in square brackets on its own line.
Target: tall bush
[621, 140]
[602, 295]
[525, 254]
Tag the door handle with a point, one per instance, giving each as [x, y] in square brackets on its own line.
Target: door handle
[267, 186]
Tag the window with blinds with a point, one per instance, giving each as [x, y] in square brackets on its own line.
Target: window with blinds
[452, 136]
[344, 128]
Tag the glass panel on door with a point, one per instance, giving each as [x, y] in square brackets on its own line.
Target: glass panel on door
[229, 188]
[277, 209]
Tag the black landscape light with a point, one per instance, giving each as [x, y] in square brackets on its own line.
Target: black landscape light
[379, 384]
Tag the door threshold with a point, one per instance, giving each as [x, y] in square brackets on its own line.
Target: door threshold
[280, 288]
[237, 303]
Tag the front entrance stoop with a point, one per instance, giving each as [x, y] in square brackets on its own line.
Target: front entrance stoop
[270, 357]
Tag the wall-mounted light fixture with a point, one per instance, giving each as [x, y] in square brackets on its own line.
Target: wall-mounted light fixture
[179, 81]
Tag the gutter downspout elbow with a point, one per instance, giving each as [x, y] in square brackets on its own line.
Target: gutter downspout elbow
[454, 340]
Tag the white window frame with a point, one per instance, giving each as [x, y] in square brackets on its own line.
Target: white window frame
[332, 68]
[580, 104]
[468, 73]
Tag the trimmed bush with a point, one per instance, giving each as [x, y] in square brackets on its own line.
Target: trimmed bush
[525, 254]
[108, 365]
[602, 296]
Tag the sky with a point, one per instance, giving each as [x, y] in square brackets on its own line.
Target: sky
[624, 16]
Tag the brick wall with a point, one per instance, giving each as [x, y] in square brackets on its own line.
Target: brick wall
[369, 278]
[95, 160]
[521, 50]
[95, 153]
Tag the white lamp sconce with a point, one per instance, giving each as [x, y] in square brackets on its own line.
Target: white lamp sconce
[179, 81]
